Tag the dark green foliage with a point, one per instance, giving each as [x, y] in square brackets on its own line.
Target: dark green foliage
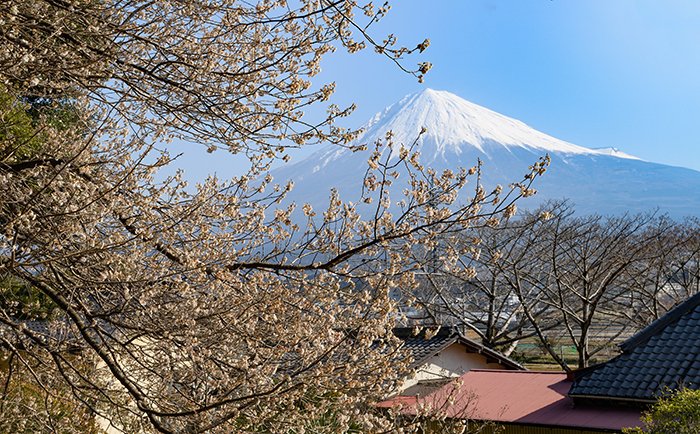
[34, 400]
[22, 126]
[19, 137]
[23, 302]
[677, 413]
[59, 114]
[24, 120]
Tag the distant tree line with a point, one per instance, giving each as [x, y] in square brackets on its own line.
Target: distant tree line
[564, 279]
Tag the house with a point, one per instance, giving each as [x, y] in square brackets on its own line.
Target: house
[518, 402]
[440, 355]
[664, 355]
[603, 398]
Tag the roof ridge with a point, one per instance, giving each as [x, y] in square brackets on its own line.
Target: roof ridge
[500, 357]
[508, 371]
[660, 324]
[421, 331]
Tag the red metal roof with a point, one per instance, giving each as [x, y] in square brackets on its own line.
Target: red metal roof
[523, 397]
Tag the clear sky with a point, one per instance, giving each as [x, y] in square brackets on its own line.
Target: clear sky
[597, 73]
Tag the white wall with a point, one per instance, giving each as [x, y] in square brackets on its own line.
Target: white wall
[452, 362]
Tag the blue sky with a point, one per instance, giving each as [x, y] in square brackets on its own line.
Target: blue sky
[597, 73]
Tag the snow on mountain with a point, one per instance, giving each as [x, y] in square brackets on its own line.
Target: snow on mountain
[615, 153]
[459, 132]
[453, 123]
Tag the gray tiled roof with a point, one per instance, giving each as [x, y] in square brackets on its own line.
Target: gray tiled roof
[422, 349]
[666, 354]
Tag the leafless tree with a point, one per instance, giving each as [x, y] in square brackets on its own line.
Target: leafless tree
[588, 277]
[479, 293]
[566, 279]
[669, 276]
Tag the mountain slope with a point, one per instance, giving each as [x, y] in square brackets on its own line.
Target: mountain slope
[458, 133]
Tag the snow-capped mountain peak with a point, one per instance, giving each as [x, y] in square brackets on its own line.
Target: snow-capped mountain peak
[453, 123]
[459, 133]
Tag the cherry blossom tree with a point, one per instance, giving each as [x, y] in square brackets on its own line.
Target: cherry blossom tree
[227, 73]
[172, 308]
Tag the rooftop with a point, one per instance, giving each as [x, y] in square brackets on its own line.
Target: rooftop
[424, 345]
[666, 354]
[518, 397]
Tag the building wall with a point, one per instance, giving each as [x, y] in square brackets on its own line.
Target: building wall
[526, 429]
[452, 362]
[434, 427]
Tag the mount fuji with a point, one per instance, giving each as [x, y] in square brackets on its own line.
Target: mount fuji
[603, 181]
